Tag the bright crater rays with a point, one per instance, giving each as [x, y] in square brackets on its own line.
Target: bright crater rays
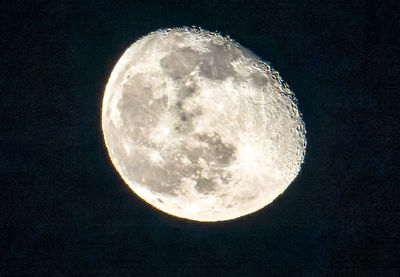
[199, 127]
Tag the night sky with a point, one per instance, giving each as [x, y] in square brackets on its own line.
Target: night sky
[65, 211]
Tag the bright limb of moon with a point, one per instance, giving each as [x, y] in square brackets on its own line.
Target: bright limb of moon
[199, 127]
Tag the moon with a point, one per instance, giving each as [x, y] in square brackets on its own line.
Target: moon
[199, 127]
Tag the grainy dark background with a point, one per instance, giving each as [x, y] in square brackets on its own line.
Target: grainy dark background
[65, 211]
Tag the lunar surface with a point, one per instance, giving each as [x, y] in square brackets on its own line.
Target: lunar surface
[199, 127]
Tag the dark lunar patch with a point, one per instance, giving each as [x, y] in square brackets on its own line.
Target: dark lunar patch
[157, 179]
[217, 63]
[189, 115]
[204, 185]
[179, 62]
[185, 92]
[219, 152]
[192, 153]
[185, 125]
[226, 177]
[258, 80]
[179, 104]
[136, 95]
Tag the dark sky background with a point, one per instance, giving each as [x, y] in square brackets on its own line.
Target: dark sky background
[66, 212]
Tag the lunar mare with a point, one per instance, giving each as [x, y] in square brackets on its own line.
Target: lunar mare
[199, 127]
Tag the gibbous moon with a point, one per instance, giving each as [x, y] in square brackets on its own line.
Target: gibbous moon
[199, 127]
